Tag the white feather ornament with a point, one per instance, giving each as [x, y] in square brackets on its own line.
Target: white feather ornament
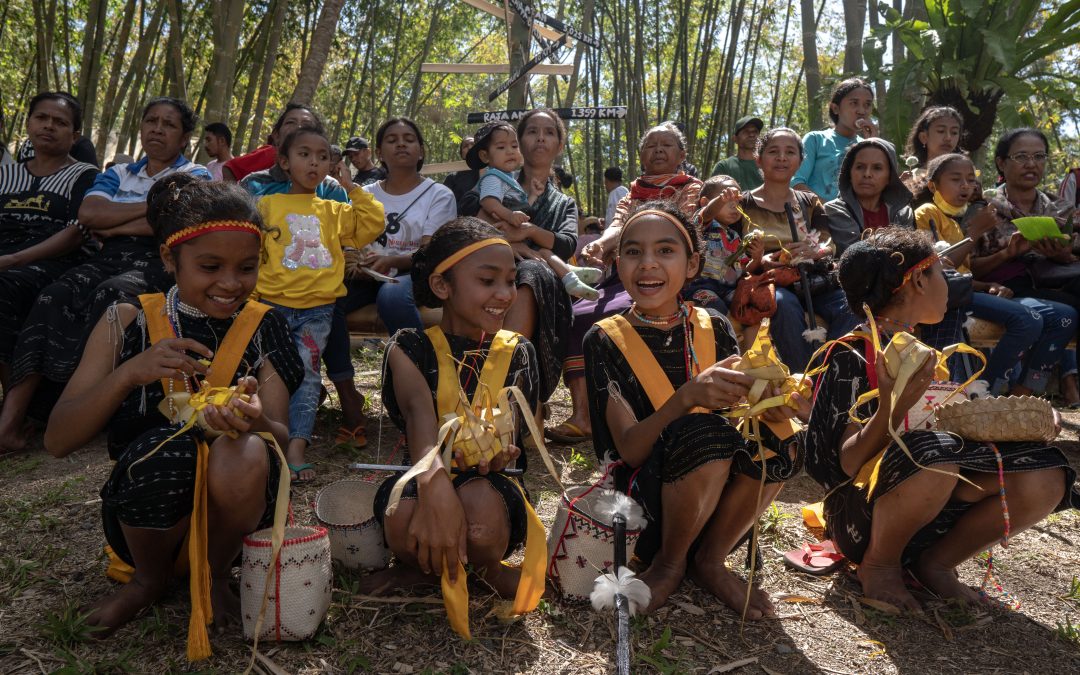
[607, 586]
[612, 502]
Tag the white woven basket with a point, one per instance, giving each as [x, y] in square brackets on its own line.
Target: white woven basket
[580, 546]
[1001, 418]
[301, 587]
[345, 509]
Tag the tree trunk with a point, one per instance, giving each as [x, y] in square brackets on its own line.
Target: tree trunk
[227, 20]
[433, 26]
[93, 38]
[175, 59]
[780, 66]
[587, 23]
[323, 37]
[519, 53]
[810, 65]
[42, 53]
[274, 39]
[879, 83]
[110, 108]
[854, 26]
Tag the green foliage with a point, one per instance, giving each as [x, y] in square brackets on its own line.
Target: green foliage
[67, 627]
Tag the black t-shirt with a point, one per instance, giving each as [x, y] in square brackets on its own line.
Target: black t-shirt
[369, 176]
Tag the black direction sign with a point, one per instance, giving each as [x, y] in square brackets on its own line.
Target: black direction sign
[610, 112]
[529, 15]
[524, 69]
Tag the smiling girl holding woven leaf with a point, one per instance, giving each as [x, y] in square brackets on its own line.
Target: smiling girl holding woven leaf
[936, 500]
[655, 374]
[177, 494]
[461, 509]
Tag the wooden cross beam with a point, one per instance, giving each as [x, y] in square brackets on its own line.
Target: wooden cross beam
[495, 68]
[500, 12]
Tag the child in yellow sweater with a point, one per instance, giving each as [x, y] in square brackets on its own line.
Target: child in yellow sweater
[303, 267]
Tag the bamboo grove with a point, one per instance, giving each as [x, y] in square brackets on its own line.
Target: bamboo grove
[702, 62]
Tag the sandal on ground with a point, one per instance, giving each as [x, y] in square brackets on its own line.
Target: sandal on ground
[354, 438]
[567, 433]
[816, 558]
[297, 468]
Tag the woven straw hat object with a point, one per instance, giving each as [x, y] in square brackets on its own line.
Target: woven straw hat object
[344, 508]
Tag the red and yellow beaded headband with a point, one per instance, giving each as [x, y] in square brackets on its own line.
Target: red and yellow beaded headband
[921, 266]
[189, 233]
[663, 214]
[458, 256]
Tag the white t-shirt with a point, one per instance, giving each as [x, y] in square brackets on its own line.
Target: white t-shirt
[434, 207]
[613, 198]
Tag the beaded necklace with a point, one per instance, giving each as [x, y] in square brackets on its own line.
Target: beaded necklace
[683, 312]
[896, 325]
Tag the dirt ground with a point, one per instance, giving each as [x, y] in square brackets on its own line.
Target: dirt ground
[51, 563]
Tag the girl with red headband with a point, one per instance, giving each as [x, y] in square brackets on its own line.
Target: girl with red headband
[889, 509]
[141, 361]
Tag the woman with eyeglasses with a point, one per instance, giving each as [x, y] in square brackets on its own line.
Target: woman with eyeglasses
[1005, 257]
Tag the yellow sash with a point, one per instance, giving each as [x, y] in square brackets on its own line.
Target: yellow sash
[450, 407]
[656, 384]
[222, 370]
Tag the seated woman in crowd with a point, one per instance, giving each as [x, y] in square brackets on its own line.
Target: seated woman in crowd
[661, 151]
[449, 516]
[779, 154]
[138, 355]
[1005, 257]
[871, 194]
[937, 131]
[39, 207]
[655, 373]
[541, 310]
[918, 515]
[1036, 331]
[114, 212]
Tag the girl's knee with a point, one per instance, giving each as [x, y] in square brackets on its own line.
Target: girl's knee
[1045, 488]
[235, 463]
[488, 523]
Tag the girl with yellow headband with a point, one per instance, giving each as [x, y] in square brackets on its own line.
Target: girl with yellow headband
[917, 514]
[139, 359]
[655, 374]
[477, 515]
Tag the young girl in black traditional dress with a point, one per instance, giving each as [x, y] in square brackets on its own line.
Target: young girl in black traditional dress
[655, 374]
[925, 520]
[477, 515]
[210, 237]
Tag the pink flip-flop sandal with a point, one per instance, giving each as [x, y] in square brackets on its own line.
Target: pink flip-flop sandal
[816, 558]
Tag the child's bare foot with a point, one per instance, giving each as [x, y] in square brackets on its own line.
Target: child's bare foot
[944, 582]
[393, 579]
[717, 579]
[886, 583]
[225, 604]
[116, 609]
[16, 438]
[663, 579]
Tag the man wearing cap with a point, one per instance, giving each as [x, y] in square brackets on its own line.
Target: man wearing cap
[358, 151]
[743, 166]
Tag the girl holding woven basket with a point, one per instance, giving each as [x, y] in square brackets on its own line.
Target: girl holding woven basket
[182, 497]
[457, 511]
[935, 500]
[655, 375]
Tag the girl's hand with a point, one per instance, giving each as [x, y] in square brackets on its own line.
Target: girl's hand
[438, 527]
[593, 254]
[866, 127]
[718, 387]
[1018, 245]
[512, 232]
[801, 250]
[982, 222]
[1000, 291]
[800, 408]
[383, 264]
[519, 218]
[913, 392]
[344, 176]
[166, 359]
[756, 249]
[494, 465]
[523, 252]
[239, 415]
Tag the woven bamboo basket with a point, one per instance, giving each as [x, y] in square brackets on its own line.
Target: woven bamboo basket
[299, 591]
[580, 545]
[344, 508]
[1002, 418]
